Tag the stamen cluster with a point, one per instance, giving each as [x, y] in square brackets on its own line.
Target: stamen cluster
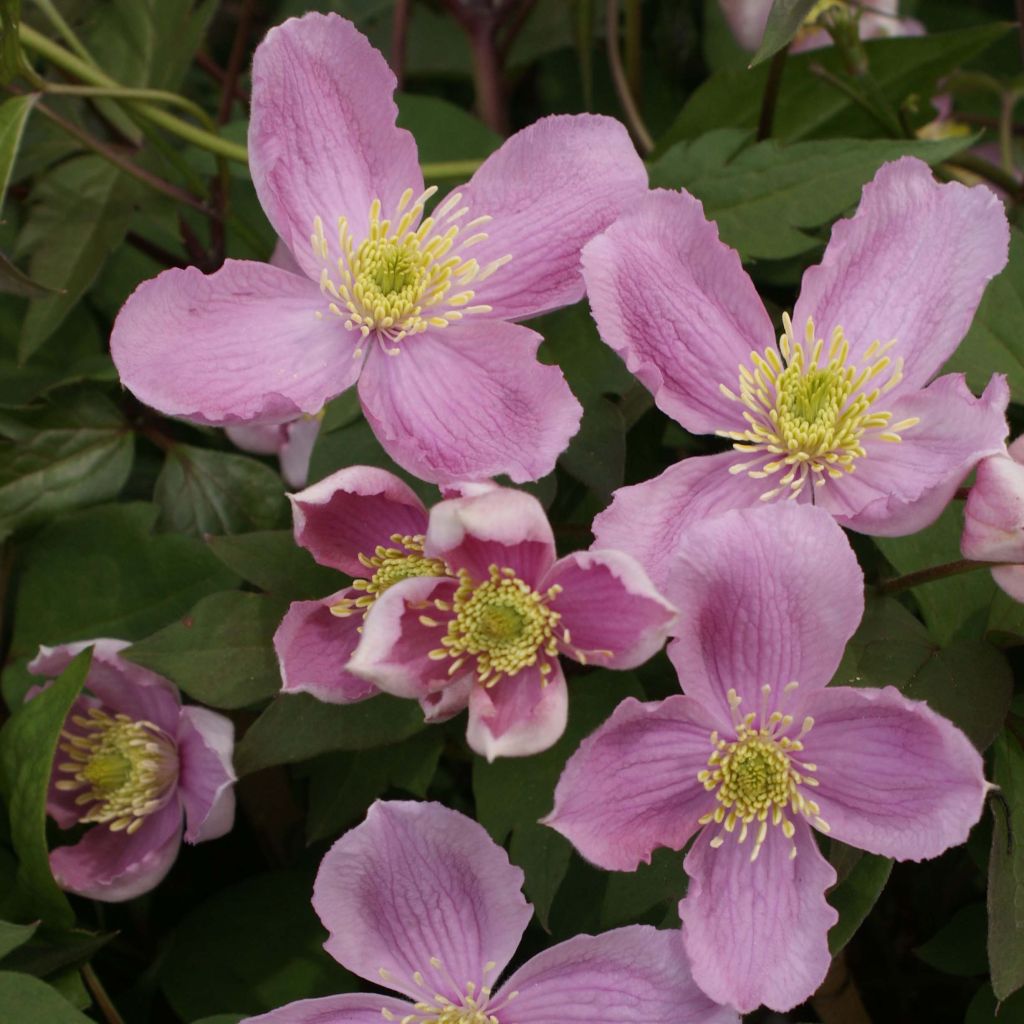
[437, 1008]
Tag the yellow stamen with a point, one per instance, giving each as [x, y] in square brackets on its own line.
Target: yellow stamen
[435, 1008]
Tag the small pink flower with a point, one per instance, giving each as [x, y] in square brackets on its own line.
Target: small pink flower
[416, 306]
[421, 900]
[131, 763]
[760, 752]
[489, 633]
[839, 411]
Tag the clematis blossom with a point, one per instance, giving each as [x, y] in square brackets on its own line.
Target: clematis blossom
[419, 899]
[839, 410]
[416, 305]
[132, 763]
[760, 753]
[489, 633]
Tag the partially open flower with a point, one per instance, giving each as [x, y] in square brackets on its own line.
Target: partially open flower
[132, 763]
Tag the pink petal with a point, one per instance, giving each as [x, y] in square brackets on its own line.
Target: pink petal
[766, 596]
[897, 489]
[648, 520]
[322, 136]
[747, 20]
[609, 604]
[519, 715]
[549, 189]
[469, 402]
[313, 647]
[635, 974]
[115, 866]
[758, 932]
[297, 449]
[351, 1008]
[1011, 579]
[282, 258]
[632, 785]
[258, 438]
[894, 777]
[994, 512]
[206, 776]
[677, 305]
[353, 511]
[911, 264]
[499, 526]
[441, 705]
[418, 883]
[242, 344]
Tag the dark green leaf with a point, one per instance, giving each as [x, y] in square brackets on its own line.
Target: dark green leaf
[596, 456]
[13, 115]
[958, 947]
[54, 950]
[985, 1009]
[1006, 869]
[10, 46]
[272, 561]
[15, 282]
[24, 999]
[855, 896]
[632, 893]
[13, 935]
[444, 131]
[543, 855]
[784, 21]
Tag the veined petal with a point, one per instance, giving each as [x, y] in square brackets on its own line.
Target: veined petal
[350, 1008]
[206, 776]
[994, 512]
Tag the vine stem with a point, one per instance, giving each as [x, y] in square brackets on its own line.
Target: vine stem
[770, 99]
[629, 108]
[934, 573]
[99, 993]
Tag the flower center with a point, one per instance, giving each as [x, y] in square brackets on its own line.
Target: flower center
[435, 1008]
[406, 275]
[757, 777]
[807, 411]
[125, 768]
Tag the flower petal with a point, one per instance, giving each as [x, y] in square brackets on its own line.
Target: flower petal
[353, 511]
[994, 512]
[313, 647]
[519, 715]
[758, 932]
[911, 264]
[677, 305]
[322, 136]
[894, 777]
[350, 1008]
[632, 785]
[624, 976]
[1011, 579]
[469, 402]
[747, 20]
[612, 611]
[240, 345]
[418, 883]
[206, 776]
[549, 189]
[297, 449]
[766, 596]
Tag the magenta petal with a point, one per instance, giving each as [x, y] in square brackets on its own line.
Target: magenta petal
[468, 402]
[322, 136]
[677, 305]
[612, 611]
[415, 884]
[636, 974]
[994, 513]
[548, 190]
[632, 785]
[351, 512]
[313, 647]
[910, 265]
[519, 715]
[206, 776]
[115, 866]
[351, 1008]
[894, 777]
[758, 932]
[241, 344]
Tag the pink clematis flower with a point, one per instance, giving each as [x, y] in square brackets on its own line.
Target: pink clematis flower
[759, 752]
[421, 900]
[489, 633]
[416, 306]
[837, 412]
[131, 763]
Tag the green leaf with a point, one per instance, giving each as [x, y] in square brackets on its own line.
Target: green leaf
[28, 745]
[1006, 869]
[629, 894]
[544, 856]
[784, 21]
[24, 998]
[52, 951]
[596, 456]
[855, 896]
[221, 653]
[272, 561]
[13, 115]
[444, 131]
[297, 727]
[985, 1009]
[76, 451]
[958, 947]
[14, 935]
[15, 282]
[10, 46]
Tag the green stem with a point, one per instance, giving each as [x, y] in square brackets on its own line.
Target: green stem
[770, 98]
[99, 994]
[933, 573]
[172, 99]
[450, 170]
[66, 32]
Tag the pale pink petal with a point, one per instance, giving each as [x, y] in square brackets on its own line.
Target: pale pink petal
[910, 265]
[353, 511]
[626, 976]
[1011, 579]
[613, 613]
[549, 189]
[441, 705]
[519, 715]
[499, 526]
[900, 488]
[469, 402]
[313, 647]
[994, 512]
[206, 776]
[282, 258]
[757, 932]
[894, 777]
[242, 344]
[258, 438]
[415, 884]
[632, 786]
[747, 20]
[351, 1008]
[766, 596]
[322, 135]
[677, 305]
[297, 449]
